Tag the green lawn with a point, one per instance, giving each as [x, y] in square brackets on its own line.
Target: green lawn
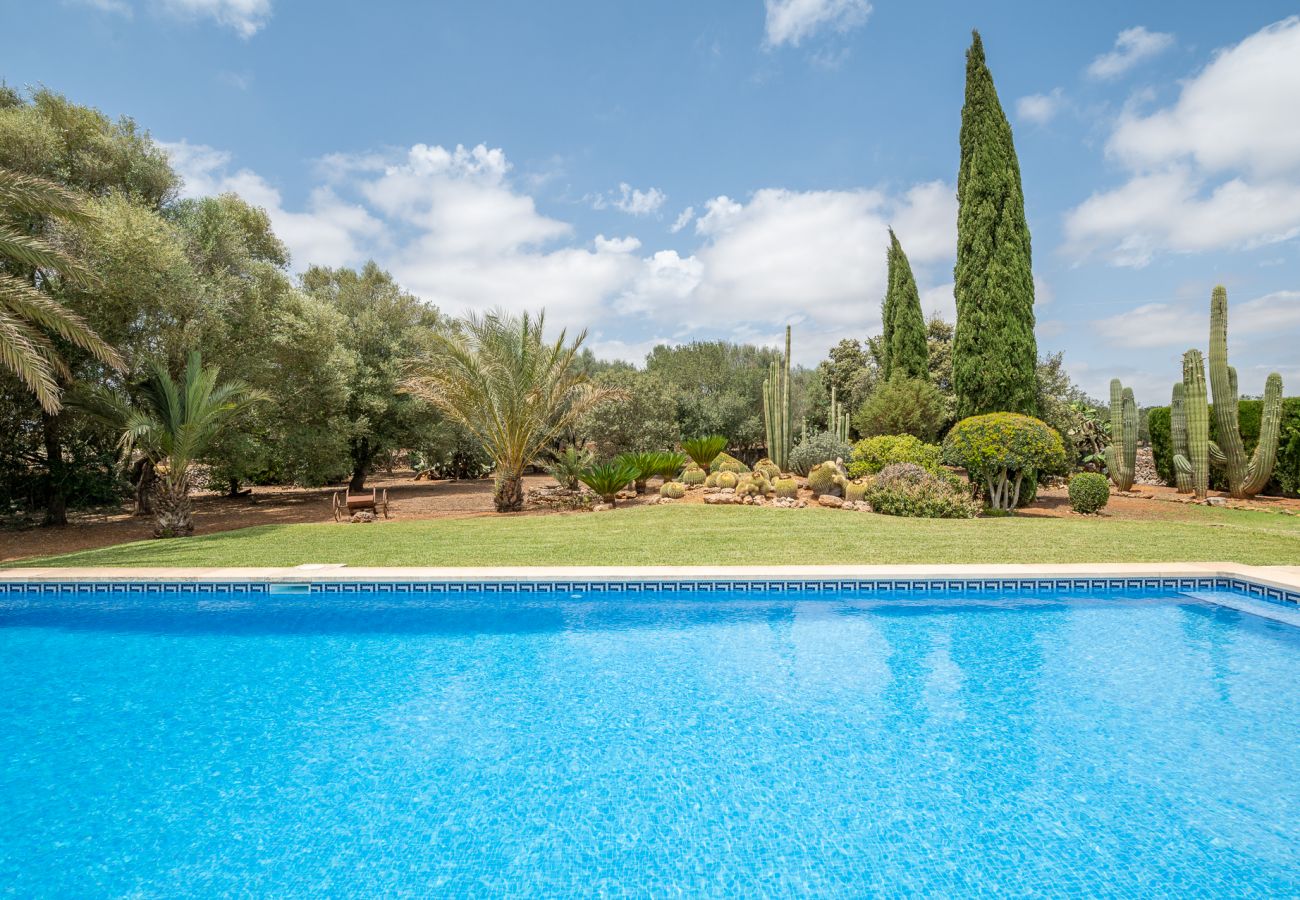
[700, 535]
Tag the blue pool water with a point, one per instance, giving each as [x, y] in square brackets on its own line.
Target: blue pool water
[723, 745]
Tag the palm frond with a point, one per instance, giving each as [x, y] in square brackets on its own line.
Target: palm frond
[36, 196]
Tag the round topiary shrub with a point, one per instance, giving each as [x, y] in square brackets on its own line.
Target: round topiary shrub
[1089, 492]
[906, 489]
[1001, 450]
[674, 490]
[873, 454]
[818, 448]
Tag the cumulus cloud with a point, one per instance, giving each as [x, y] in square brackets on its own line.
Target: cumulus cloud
[791, 21]
[244, 17]
[1132, 46]
[683, 219]
[633, 201]
[1040, 108]
[455, 227]
[1187, 324]
[1219, 168]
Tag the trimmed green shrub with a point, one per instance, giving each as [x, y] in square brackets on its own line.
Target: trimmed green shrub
[725, 462]
[786, 487]
[1089, 492]
[904, 489]
[873, 454]
[904, 406]
[1286, 474]
[820, 447]
[1001, 449]
[673, 490]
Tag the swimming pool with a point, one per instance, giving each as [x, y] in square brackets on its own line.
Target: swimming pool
[576, 739]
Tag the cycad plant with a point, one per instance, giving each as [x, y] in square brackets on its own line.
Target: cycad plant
[704, 450]
[567, 466]
[172, 424]
[498, 377]
[29, 266]
[649, 463]
[607, 479]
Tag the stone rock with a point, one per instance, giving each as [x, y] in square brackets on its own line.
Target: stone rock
[830, 501]
[1216, 501]
[601, 507]
[362, 516]
[1144, 470]
[721, 498]
[662, 500]
[626, 495]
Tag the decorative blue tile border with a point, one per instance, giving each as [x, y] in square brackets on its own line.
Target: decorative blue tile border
[972, 586]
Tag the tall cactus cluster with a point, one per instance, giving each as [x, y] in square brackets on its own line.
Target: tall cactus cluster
[1190, 419]
[776, 408]
[1121, 455]
[838, 419]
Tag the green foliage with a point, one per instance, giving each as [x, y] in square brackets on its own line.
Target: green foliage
[873, 454]
[994, 351]
[668, 464]
[674, 490]
[645, 464]
[904, 405]
[904, 340]
[817, 448]
[715, 384]
[1089, 492]
[704, 450]
[607, 479]
[568, 465]
[725, 462]
[515, 392]
[1001, 449]
[904, 489]
[642, 415]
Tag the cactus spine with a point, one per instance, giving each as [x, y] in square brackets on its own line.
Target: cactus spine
[1121, 455]
[1178, 437]
[1197, 413]
[838, 423]
[1246, 477]
[776, 407]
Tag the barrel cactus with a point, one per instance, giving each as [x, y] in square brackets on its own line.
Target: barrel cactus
[673, 490]
[711, 480]
[856, 490]
[727, 479]
[768, 468]
[694, 476]
[826, 478]
[725, 462]
[786, 487]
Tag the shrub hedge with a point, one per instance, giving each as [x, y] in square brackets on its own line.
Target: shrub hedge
[1089, 492]
[873, 454]
[1286, 475]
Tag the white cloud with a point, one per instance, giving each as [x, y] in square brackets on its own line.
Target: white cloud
[630, 200]
[684, 219]
[790, 21]
[1040, 108]
[1132, 46]
[1220, 168]
[118, 7]
[1188, 324]
[246, 17]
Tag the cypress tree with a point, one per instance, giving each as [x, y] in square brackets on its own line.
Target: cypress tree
[907, 352]
[994, 350]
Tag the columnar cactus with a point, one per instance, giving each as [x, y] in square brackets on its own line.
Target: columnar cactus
[838, 419]
[776, 408]
[1246, 477]
[1178, 438]
[1197, 412]
[1121, 455]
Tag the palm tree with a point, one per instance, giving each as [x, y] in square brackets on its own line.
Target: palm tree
[497, 377]
[28, 264]
[172, 424]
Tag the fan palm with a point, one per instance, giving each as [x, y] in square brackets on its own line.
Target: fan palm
[26, 311]
[513, 391]
[172, 425]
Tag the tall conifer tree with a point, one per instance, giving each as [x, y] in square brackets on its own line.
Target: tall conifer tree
[906, 350]
[994, 349]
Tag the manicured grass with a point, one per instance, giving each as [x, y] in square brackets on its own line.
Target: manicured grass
[700, 535]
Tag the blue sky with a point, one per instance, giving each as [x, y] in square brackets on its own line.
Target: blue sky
[679, 170]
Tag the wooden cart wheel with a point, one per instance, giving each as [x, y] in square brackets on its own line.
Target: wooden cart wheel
[384, 501]
[337, 504]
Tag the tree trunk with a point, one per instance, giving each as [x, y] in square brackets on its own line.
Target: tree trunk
[175, 513]
[361, 456]
[508, 494]
[56, 500]
[145, 480]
